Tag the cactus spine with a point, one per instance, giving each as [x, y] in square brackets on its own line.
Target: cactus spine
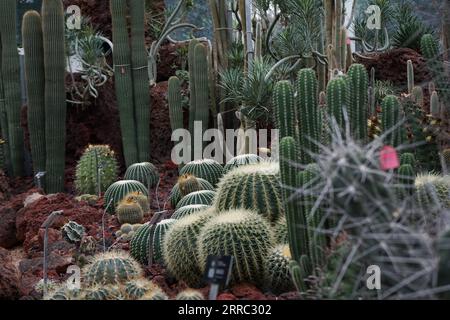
[35, 78]
[53, 29]
[204, 197]
[358, 86]
[145, 172]
[141, 92]
[391, 117]
[175, 104]
[11, 84]
[119, 190]
[278, 276]
[190, 295]
[129, 211]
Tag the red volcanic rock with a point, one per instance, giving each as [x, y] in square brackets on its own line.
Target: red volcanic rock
[247, 292]
[5, 189]
[8, 228]
[9, 277]
[226, 297]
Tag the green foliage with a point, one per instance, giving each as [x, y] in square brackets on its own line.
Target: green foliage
[145, 172]
[278, 275]
[207, 169]
[242, 234]
[119, 190]
[97, 159]
[254, 187]
[204, 197]
[73, 232]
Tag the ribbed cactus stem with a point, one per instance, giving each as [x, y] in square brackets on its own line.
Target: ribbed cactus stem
[4, 145]
[337, 99]
[175, 104]
[140, 78]
[417, 95]
[11, 83]
[435, 105]
[358, 82]
[123, 80]
[308, 114]
[53, 29]
[35, 79]
[296, 219]
[410, 75]
[192, 82]
[201, 85]
[391, 117]
[258, 41]
[283, 100]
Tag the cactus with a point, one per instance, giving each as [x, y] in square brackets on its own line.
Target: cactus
[308, 114]
[88, 198]
[417, 96]
[11, 84]
[111, 268]
[435, 105]
[192, 82]
[255, 187]
[123, 80]
[139, 245]
[190, 295]
[175, 104]
[433, 191]
[446, 157]
[97, 165]
[410, 76]
[408, 158]
[280, 231]
[207, 169]
[119, 190]
[175, 195]
[242, 160]
[188, 210]
[136, 289]
[283, 101]
[129, 211]
[205, 197]
[278, 276]
[242, 234]
[391, 120]
[188, 184]
[358, 108]
[337, 99]
[296, 219]
[443, 246]
[406, 177]
[201, 85]
[5, 161]
[140, 78]
[145, 172]
[53, 30]
[35, 79]
[156, 294]
[73, 232]
[181, 246]
[102, 293]
[62, 293]
[141, 199]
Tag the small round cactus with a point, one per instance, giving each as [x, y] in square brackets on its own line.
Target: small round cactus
[62, 292]
[408, 158]
[433, 191]
[190, 295]
[156, 294]
[129, 211]
[73, 232]
[188, 184]
[242, 160]
[180, 248]
[96, 158]
[188, 210]
[176, 195]
[145, 172]
[126, 228]
[280, 231]
[140, 241]
[208, 169]
[90, 199]
[254, 187]
[111, 268]
[140, 198]
[119, 190]
[136, 289]
[243, 234]
[278, 276]
[205, 197]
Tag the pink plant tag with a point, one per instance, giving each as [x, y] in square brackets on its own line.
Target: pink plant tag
[349, 41]
[389, 159]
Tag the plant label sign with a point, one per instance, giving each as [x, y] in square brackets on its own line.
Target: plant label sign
[218, 270]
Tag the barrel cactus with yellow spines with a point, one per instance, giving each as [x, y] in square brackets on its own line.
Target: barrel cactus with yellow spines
[145, 172]
[111, 268]
[188, 210]
[140, 198]
[98, 164]
[205, 197]
[254, 187]
[102, 293]
[278, 275]
[207, 169]
[156, 294]
[190, 295]
[188, 184]
[129, 211]
[242, 160]
[119, 190]
[176, 195]
[242, 234]
[136, 289]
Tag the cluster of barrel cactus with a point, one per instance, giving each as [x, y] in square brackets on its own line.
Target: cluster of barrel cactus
[119, 190]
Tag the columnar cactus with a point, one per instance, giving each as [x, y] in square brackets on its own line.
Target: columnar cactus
[136, 289]
[73, 232]
[435, 105]
[35, 79]
[181, 247]
[4, 145]
[283, 100]
[11, 84]
[358, 101]
[410, 76]
[139, 64]
[53, 30]
[278, 275]
[337, 99]
[207, 169]
[242, 160]
[119, 190]
[204, 197]
[188, 210]
[201, 85]
[97, 165]
[192, 82]
[156, 294]
[280, 231]
[111, 268]
[255, 187]
[406, 178]
[175, 195]
[190, 295]
[129, 211]
[408, 158]
[145, 172]
[175, 104]
[417, 96]
[188, 184]
[308, 114]
[242, 234]
[123, 80]
[391, 118]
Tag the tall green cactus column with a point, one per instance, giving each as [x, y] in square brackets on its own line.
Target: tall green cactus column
[358, 101]
[123, 80]
[53, 29]
[391, 118]
[6, 163]
[192, 81]
[283, 100]
[140, 79]
[35, 79]
[201, 85]
[11, 84]
[308, 114]
[175, 103]
[337, 99]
